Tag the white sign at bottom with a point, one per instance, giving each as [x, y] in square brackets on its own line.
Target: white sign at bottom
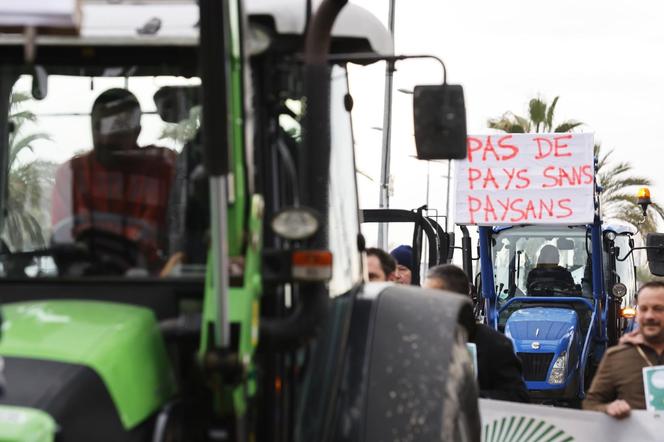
[509, 421]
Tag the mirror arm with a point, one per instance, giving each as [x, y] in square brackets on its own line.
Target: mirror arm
[661, 248]
[367, 58]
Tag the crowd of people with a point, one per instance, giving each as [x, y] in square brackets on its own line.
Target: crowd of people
[617, 387]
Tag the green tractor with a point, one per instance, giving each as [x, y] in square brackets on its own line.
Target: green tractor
[180, 254]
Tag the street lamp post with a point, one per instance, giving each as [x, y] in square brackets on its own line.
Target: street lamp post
[384, 198]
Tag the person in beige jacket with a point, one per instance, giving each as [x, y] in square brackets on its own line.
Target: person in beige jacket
[618, 384]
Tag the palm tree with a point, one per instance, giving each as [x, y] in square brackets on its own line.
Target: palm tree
[27, 180]
[540, 116]
[185, 130]
[617, 200]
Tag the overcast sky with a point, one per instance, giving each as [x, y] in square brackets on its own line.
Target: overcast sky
[603, 58]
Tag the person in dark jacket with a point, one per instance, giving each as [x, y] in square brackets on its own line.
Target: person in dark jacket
[498, 368]
[404, 258]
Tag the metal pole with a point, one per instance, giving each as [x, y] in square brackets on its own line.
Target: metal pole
[428, 180]
[220, 276]
[447, 200]
[384, 202]
[214, 51]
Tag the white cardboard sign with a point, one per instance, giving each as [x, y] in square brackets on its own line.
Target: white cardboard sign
[511, 421]
[511, 179]
[653, 383]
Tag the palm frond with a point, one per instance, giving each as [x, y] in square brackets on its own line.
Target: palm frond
[567, 126]
[17, 98]
[24, 143]
[537, 112]
[27, 181]
[549, 115]
[602, 160]
[20, 117]
[503, 123]
[523, 123]
[615, 185]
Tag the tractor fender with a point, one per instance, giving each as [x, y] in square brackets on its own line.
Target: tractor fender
[392, 364]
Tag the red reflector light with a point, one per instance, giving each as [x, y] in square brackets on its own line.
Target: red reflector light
[312, 265]
[312, 258]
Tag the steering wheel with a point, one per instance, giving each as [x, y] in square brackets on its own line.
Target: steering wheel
[107, 253]
[95, 252]
[542, 287]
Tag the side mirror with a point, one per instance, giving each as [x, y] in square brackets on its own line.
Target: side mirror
[439, 117]
[655, 251]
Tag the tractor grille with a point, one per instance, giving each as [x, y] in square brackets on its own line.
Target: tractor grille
[535, 365]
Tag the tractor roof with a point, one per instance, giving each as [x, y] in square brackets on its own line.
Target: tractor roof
[175, 23]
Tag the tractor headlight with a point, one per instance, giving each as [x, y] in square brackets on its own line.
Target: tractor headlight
[295, 223]
[559, 370]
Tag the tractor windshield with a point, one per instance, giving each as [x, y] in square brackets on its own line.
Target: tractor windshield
[533, 261]
[104, 177]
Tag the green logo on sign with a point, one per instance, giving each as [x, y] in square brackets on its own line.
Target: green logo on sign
[521, 429]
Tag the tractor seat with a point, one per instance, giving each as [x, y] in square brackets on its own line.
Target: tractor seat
[542, 281]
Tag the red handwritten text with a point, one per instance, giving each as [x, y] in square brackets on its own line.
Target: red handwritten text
[556, 147]
[491, 148]
[489, 210]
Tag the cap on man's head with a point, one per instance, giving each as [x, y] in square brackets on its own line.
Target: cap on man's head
[404, 256]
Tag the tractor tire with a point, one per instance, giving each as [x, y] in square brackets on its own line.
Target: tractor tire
[461, 419]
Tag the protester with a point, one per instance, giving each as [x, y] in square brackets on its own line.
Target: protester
[548, 275]
[498, 368]
[618, 384]
[404, 257]
[118, 188]
[381, 265]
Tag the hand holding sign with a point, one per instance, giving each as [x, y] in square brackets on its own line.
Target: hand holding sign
[526, 179]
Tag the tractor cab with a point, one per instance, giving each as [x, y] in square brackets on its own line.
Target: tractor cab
[540, 262]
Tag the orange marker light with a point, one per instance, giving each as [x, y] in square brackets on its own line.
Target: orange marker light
[644, 193]
[628, 312]
[643, 199]
[312, 265]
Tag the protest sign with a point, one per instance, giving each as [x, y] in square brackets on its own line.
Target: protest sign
[472, 349]
[509, 421]
[653, 383]
[512, 179]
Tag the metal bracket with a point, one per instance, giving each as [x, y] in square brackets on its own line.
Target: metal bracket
[30, 46]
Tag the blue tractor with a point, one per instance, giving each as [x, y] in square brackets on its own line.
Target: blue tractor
[557, 292]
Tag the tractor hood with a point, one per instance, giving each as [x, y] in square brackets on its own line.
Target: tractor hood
[543, 337]
[119, 344]
[542, 329]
